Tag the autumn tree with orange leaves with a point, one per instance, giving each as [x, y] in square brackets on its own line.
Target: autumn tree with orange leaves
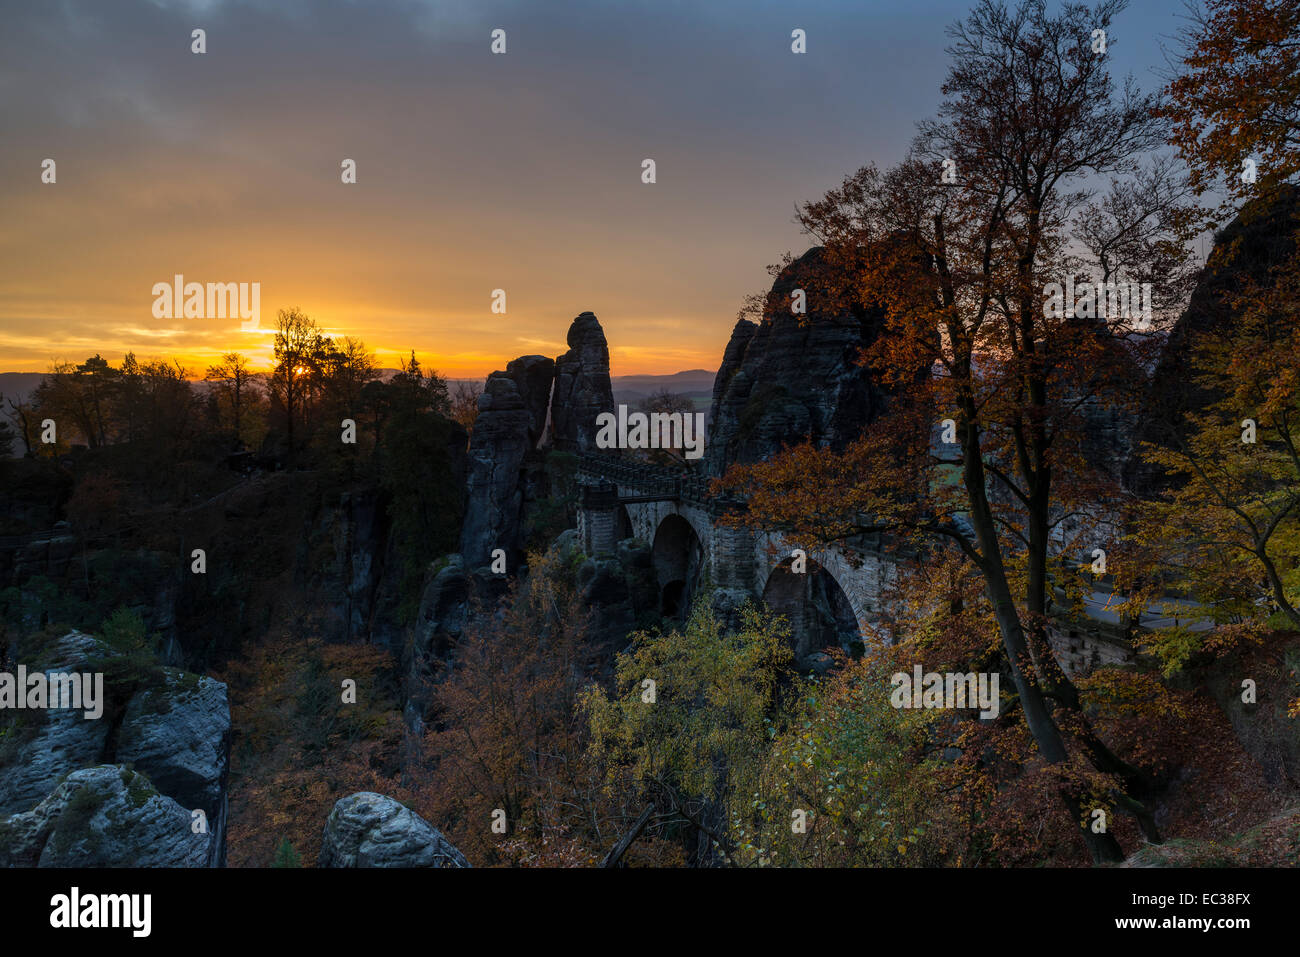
[959, 245]
[1228, 525]
[1237, 96]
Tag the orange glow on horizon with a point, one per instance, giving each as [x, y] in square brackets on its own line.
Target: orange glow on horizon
[623, 362]
[197, 347]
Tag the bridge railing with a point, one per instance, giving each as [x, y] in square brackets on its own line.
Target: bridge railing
[647, 477]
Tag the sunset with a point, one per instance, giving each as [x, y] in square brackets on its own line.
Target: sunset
[474, 172]
[846, 440]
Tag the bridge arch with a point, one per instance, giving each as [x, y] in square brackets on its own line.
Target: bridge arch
[820, 611]
[679, 555]
[623, 524]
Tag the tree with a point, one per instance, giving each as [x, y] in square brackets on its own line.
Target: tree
[7, 436]
[99, 378]
[507, 730]
[21, 414]
[1237, 96]
[235, 381]
[166, 398]
[852, 772]
[75, 395]
[413, 458]
[668, 403]
[286, 855]
[297, 352]
[346, 367]
[1228, 525]
[464, 403]
[960, 244]
[696, 747]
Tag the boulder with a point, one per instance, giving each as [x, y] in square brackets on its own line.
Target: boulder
[179, 735]
[105, 816]
[373, 830]
[171, 726]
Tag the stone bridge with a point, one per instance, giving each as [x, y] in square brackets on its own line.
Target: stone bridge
[829, 604]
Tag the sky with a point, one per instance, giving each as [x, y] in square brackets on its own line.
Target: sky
[519, 171]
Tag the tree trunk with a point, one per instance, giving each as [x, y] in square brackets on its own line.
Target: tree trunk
[1038, 717]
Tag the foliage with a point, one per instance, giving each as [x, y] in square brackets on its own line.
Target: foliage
[423, 498]
[702, 740]
[551, 515]
[856, 768]
[1227, 531]
[1238, 95]
[297, 748]
[960, 267]
[506, 732]
[286, 856]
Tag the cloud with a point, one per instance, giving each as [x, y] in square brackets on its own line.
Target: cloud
[475, 171]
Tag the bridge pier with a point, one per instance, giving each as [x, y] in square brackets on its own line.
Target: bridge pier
[732, 558]
[598, 518]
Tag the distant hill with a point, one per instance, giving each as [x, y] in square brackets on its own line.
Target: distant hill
[693, 380]
[19, 385]
[694, 384]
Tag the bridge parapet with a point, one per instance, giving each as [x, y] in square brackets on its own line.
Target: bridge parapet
[648, 478]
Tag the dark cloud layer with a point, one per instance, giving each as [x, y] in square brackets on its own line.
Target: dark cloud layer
[475, 171]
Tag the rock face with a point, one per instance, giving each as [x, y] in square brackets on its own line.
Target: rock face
[65, 740]
[733, 358]
[444, 604]
[448, 599]
[620, 591]
[793, 376]
[503, 473]
[534, 375]
[179, 735]
[497, 447]
[582, 386]
[171, 726]
[46, 745]
[1261, 237]
[373, 830]
[106, 816]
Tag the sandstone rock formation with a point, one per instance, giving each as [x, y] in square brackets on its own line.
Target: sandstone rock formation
[171, 726]
[619, 590]
[179, 735]
[793, 376]
[534, 376]
[46, 745]
[582, 386]
[511, 425]
[444, 604]
[373, 830]
[447, 601]
[43, 746]
[1259, 238]
[106, 816]
[495, 485]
